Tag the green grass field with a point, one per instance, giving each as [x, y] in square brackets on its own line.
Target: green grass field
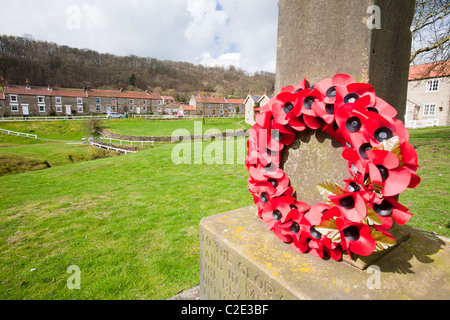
[158, 128]
[130, 223]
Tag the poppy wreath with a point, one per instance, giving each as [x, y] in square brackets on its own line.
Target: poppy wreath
[381, 165]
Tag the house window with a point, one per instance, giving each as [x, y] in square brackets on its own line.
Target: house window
[230, 109]
[98, 107]
[113, 100]
[131, 108]
[144, 108]
[144, 101]
[14, 108]
[433, 85]
[58, 108]
[41, 100]
[79, 100]
[221, 106]
[429, 110]
[221, 111]
[160, 102]
[13, 98]
[80, 109]
[98, 100]
[58, 100]
[131, 101]
[209, 106]
[41, 108]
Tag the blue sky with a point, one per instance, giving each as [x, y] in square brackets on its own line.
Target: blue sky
[242, 33]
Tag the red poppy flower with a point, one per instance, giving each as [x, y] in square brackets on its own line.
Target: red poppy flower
[324, 108]
[384, 169]
[390, 209]
[308, 239]
[351, 205]
[275, 215]
[306, 99]
[283, 107]
[380, 129]
[355, 237]
[272, 187]
[327, 87]
[367, 194]
[352, 92]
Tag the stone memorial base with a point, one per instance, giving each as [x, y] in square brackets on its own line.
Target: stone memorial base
[241, 260]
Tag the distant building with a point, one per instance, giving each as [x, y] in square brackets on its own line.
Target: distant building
[252, 102]
[217, 106]
[35, 101]
[168, 99]
[428, 101]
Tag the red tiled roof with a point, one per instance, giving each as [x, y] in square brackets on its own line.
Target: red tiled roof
[236, 101]
[429, 70]
[125, 94]
[32, 91]
[188, 108]
[210, 100]
[168, 98]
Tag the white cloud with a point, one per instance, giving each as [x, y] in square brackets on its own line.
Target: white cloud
[241, 33]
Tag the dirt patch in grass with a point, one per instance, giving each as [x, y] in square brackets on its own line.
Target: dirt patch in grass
[17, 164]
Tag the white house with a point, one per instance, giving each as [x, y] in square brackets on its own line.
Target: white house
[428, 101]
[252, 102]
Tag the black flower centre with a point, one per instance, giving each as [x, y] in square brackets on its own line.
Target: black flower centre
[295, 228]
[383, 171]
[351, 233]
[276, 135]
[384, 209]
[288, 107]
[363, 150]
[353, 124]
[353, 187]
[347, 203]
[331, 92]
[314, 233]
[383, 133]
[308, 102]
[264, 197]
[274, 182]
[351, 97]
[329, 108]
[276, 214]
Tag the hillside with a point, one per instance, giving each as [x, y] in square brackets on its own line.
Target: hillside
[45, 63]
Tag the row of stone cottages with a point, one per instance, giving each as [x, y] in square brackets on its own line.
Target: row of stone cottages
[37, 101]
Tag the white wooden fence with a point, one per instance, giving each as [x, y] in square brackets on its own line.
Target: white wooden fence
[19, 134]
[121, 142]
[415, 124]
[51, 118]
[93, 142]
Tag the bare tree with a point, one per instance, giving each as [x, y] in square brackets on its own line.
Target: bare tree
[431, 32]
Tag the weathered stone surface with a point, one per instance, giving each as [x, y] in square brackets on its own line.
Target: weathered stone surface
[314, 158]
[318, 39]
[241, 259]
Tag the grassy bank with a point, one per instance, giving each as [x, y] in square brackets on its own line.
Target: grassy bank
[130, 223]
[158, 128]
[430, 202]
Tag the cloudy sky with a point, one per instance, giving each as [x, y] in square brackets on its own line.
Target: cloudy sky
[242, 33]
